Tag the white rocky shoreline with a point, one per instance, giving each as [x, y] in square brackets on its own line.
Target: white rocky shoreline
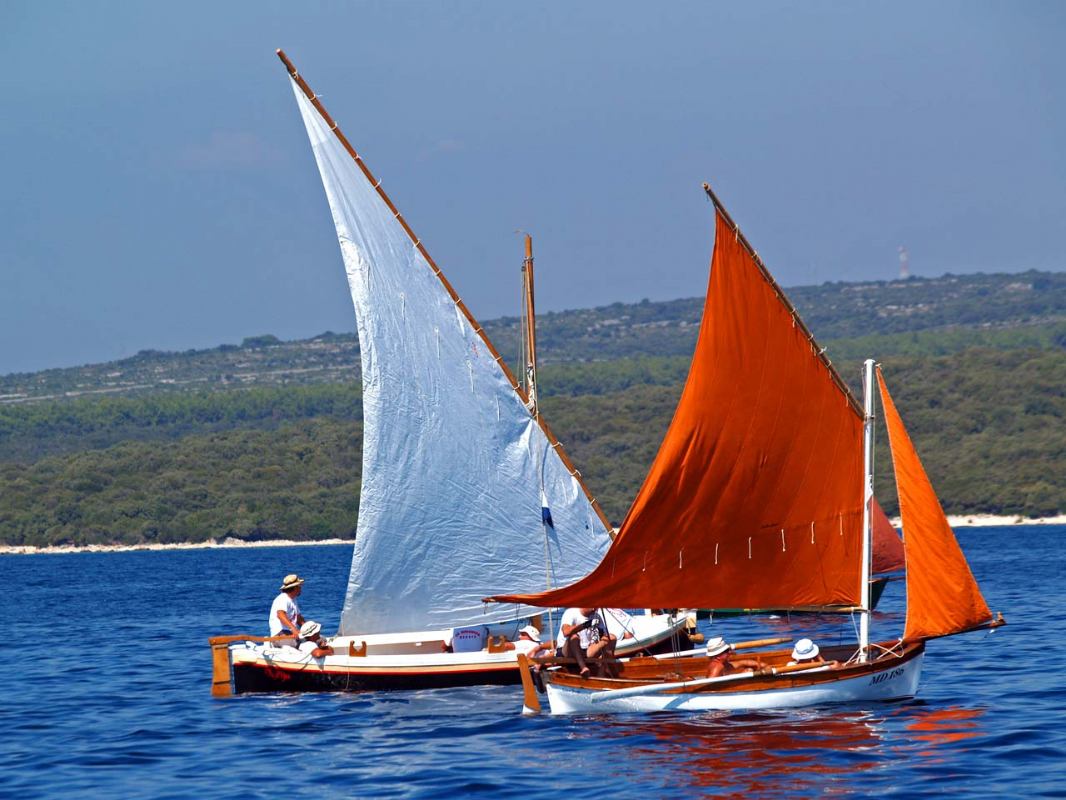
[210, 544]
[988, 520]
[956, 521]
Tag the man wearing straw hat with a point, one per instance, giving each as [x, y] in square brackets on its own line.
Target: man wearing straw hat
[284, 613]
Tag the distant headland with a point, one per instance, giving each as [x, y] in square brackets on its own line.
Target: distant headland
[261, 441]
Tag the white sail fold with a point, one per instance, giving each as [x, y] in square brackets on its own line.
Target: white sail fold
[454, 466]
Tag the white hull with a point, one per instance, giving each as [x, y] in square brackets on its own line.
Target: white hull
[411, 660]
[895, 682]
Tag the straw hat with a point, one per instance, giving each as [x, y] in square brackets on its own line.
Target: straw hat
[804, 650]
[531, 632]
[310, 629]
[291, 582]
[716, 646]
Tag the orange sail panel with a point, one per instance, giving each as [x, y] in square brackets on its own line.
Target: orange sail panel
[888, 547]
[942, 595]
[754, 499]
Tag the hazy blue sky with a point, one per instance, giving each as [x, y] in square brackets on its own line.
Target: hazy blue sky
[159, 190]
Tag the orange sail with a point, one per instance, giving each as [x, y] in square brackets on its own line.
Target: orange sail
[755, 497]
[942, 595]
[888, 547]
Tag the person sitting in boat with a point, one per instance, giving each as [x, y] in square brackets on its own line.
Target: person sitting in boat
[311, 641]
[583, 635]
[284, 613]
[624, 620]
[722, 661]
[806, 652]
[528, 642]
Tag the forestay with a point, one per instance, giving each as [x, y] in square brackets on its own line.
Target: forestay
[454, 466]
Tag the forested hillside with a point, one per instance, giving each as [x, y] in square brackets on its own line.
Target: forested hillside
[262, 440]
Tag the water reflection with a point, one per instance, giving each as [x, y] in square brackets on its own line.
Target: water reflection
[937, 727]
[764, 753]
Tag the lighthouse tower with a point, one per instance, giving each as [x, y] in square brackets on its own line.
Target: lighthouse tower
[904, 263]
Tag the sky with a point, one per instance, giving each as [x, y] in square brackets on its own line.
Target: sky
[159, 191]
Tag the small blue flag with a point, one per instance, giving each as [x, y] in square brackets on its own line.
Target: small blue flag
[546, 517]
[545, 512]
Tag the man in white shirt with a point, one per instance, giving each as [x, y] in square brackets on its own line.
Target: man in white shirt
[311, 641]
[569, 625]
[284, 613]
[583, 634]
[528, 642]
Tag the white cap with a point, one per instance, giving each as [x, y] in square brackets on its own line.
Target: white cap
[309, 629]
[531, 632]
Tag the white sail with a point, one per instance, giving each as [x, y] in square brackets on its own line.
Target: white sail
[454, 466]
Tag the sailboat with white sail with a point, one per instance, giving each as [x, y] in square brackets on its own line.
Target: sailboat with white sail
[465, 490]
[761, 497]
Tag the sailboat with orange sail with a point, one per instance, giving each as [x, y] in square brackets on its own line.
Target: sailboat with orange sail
[761, 497]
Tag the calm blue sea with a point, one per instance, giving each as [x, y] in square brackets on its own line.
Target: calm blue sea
[109, 674]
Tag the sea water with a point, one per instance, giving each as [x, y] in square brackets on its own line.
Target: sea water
[108, 695]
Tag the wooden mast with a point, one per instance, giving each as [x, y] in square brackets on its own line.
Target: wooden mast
[474, 324]
[841, 384]
[530, 354]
